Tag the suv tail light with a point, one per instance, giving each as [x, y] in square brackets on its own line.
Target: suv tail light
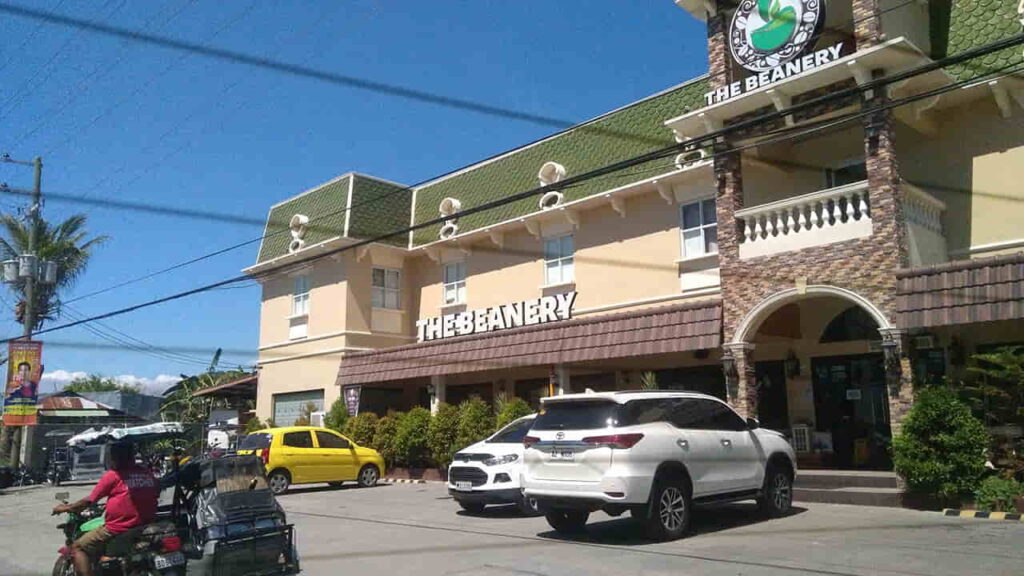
[265, 456]
[530, 441]
[170, 544]
[614, 440]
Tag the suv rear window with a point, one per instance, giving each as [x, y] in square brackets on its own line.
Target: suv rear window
[578, 416]
[255, 442]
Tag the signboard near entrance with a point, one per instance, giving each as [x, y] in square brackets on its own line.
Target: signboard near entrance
[21, 394]
[515, 315]
[351, 395]
[774, 40]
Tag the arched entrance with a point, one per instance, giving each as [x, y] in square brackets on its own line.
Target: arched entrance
[810, 362]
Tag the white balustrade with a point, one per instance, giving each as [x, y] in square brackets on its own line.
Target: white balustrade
[823, 217]
[923, 209]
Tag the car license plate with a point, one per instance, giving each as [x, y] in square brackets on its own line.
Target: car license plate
[465, 486]
[563, 455]
[168, 560]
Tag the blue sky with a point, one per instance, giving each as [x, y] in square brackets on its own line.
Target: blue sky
[132, 122]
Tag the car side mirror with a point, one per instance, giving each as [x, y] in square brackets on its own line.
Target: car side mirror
[753, 424]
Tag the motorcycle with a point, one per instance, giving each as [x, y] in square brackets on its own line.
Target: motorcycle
[58, 472]
[150, 550]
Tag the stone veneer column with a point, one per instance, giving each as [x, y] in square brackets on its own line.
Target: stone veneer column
[867, 27]
[898, 376]
[741, 386]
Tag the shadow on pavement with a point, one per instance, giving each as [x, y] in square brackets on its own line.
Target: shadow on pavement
[505, 511]
[327, 488]
[625, 531]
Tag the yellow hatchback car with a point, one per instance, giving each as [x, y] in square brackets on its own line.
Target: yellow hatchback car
[307, 455]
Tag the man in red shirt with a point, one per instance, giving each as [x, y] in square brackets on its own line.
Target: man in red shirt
[132, 493]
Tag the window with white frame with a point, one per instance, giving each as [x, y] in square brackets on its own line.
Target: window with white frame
[300, 296]
[558, 260]
[387, 292]
[699, 228]
[455, 283]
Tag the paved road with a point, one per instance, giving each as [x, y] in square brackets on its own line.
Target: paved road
[416, 530]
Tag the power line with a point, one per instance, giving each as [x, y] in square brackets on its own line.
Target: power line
[31, 36]
[125, 341]
[572, 181]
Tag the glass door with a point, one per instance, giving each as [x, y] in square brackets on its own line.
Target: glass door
[852, 410]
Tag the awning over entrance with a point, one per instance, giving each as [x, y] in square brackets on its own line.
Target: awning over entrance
[964, 292]
[693, 326]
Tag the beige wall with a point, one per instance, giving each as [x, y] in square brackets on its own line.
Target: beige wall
[313, 373]
[974, 164]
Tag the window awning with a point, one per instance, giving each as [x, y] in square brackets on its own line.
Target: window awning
[981, 290]
[669, 329]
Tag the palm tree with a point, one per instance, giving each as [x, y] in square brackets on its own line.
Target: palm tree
[66, 244]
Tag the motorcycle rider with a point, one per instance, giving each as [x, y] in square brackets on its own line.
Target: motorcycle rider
[132, 493]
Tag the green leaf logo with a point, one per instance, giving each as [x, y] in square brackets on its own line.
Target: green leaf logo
[781, 23]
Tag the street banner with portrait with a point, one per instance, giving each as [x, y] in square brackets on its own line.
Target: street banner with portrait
[351, 395]
[24, 370]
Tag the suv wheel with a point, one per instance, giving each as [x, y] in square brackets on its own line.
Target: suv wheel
[667, 516]
[568, 521]
[777, 493]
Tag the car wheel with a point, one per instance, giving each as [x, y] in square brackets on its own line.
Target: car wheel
[777, 493]
[368, 476]
[667, 515]
[472, 507]
[528, 505]
[568, 521]
[279, 481]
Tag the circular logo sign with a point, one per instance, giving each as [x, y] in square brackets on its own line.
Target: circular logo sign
[767, 33]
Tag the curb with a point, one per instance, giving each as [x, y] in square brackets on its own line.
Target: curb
[1012, 517]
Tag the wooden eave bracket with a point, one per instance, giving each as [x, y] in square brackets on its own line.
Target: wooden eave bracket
[497, 237]
[1002, 95]
[362, 251]
[433, 253]
[711, 124]
[532, 226]
[861, 75]
[572, 217]
[618, 204]
[665, 191]
[782, 101]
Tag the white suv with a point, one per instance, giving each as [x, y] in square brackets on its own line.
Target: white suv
[489, 472]
[653, 453]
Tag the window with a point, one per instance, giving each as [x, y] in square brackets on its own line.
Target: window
[455, 283]
[328, 440]
[300, 296]
[558, 260]
[835, 177]
[699, 228]
[298, 440]
[578, 416]
[513, 433]
[647, 411]
[387, 291]
[691, 414]
[255, 441]
[723, 418]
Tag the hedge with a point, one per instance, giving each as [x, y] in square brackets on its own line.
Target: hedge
[361, 428]
[511, 411]
[476, 422]
[441, 434]
[410, 442]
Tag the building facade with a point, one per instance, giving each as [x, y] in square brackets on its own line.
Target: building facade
[839, 223]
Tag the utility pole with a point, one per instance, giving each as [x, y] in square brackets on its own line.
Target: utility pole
[29, 270]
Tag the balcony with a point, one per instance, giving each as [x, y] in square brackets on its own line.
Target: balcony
[823, 217]
[837, 215]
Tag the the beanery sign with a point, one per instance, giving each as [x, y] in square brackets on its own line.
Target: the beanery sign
[514, 315]
[773, 40]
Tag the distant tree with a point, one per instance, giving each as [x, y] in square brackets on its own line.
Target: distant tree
[97, 383]
[337, 416]
[511, 411]
[649, 381]
[306, 415]
[179, 403]
[999, 394]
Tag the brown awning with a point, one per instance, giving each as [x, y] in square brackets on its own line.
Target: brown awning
[963, 292]
[663, 330]
[244, 387]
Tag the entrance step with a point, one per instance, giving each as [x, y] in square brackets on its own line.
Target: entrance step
[837, 479]
[891, 497]
[860, 487]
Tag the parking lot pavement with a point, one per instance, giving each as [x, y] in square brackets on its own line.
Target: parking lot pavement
[419, 528]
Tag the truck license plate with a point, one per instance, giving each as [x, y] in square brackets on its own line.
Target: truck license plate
[466, 486]
[563, 455]
[169, 560]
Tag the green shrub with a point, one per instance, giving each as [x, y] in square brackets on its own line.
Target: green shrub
[476, 422]
[384, 437]
[411, 438]
[254, 424]
[941, 449]
[361, 428]
[511, 411]
[997, 493]
[442, 433]
[337, 416]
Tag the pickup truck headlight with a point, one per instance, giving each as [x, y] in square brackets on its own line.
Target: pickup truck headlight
[499, 460]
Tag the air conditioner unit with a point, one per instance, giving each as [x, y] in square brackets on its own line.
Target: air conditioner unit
[801, 438]
[317, 418]
[924, 342]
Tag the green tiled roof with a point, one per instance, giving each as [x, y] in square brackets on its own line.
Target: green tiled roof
[325, 207]
[616, 136]
[974, 23]
[377, 206]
